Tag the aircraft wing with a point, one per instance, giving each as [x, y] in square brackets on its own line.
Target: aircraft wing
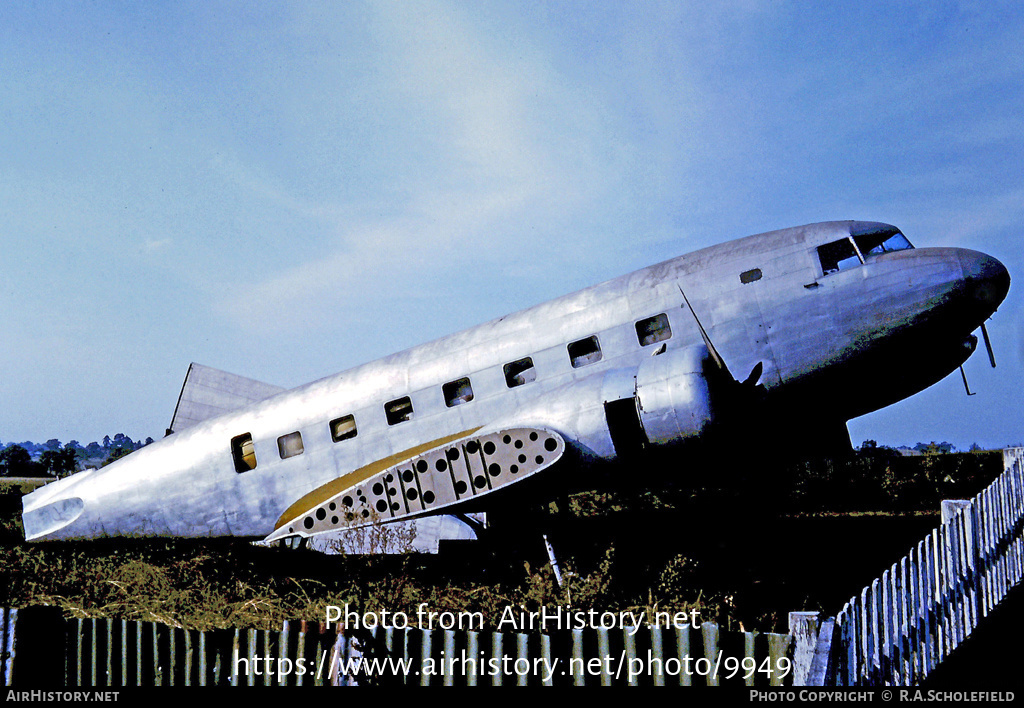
[208, 393]
[445, 478]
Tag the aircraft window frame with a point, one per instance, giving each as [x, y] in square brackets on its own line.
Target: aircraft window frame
[399, 410]
[882, 241]
[457, 392]
[519, 372]
[243, 453]
[584, 352]
[751, 276]
[341, 428]
[290, 445]
[652, 330]
[841, 254]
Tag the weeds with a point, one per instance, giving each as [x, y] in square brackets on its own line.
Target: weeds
[624, 551]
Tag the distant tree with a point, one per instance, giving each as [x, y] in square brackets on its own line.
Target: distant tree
[59, 463]
[874, 454]
[30, 447]
[106, 442]
[15, 461]
[93, 449]
[149, 441]
[935, 448]
[51, 444]
[78, 451]
[116, 454]
[122, 441]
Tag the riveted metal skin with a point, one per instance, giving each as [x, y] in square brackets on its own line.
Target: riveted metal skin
[674, 395]
[824, 340]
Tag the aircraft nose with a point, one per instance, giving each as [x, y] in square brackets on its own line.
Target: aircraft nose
[52, 520]
[987, 278]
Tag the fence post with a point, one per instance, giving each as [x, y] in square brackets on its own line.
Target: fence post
[803, 626]
[824, 665]
[710, 633]
[36, 647]
[10, 619]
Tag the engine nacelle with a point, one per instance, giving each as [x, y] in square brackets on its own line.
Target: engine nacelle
[673, 395]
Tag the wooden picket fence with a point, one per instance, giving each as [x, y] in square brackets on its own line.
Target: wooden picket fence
[895, 632]
[899, 628]
[111, 653]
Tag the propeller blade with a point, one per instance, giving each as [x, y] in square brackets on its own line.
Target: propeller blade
[755, 375]
[719, 362]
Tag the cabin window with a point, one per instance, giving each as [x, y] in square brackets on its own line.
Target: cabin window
[837, 256]
[244, 453]
[520, 372]
[343, 428]
[653, 330]
[585, 352]
[749, 276]
[457, 392]
[290, 445]
[881, 240]
[398, 411]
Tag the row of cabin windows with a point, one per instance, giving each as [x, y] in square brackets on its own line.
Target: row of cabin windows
[582, 353]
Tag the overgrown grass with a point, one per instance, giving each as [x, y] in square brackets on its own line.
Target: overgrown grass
[727, 551]
[205, 585]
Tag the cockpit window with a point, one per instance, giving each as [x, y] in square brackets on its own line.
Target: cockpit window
[859, 245]
[837, 256]
[881, 241]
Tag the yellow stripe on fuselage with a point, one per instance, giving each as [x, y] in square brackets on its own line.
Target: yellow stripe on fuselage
[340, 484]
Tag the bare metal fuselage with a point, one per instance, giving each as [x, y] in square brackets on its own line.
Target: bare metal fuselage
[829, 346]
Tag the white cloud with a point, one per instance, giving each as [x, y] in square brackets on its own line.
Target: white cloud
[489, 117]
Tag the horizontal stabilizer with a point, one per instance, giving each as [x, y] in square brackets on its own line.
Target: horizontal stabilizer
[449, 476]
[208, 393]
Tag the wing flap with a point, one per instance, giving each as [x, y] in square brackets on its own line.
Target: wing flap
[441, 479]
[208, 393]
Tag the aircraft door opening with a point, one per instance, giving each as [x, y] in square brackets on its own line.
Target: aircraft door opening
[627, 434]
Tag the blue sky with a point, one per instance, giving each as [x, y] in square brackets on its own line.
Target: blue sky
[285, 190]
